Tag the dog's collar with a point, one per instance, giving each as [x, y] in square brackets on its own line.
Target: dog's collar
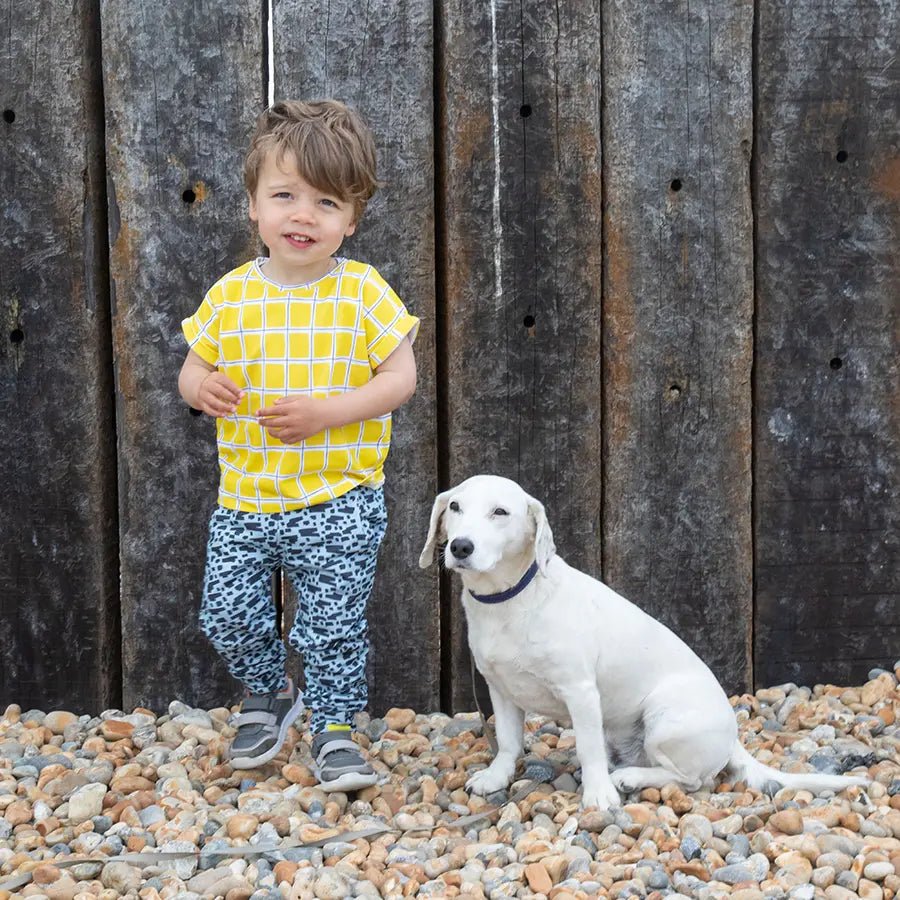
[508, 594]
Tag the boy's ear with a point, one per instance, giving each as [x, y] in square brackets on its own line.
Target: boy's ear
[351, 228]
[254, 215]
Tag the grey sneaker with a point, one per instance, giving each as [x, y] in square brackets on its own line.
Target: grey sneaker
[339, 764]
[262, 726]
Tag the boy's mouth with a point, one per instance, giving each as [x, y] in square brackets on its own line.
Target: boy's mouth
[299, 240]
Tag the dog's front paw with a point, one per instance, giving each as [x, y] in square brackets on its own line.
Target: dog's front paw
[493, 778]
[601, 793]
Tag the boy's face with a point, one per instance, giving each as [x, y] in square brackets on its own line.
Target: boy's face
[301, 225]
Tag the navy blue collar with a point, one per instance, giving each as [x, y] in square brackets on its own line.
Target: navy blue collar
[501, 597]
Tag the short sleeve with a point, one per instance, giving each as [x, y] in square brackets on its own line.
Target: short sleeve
[387, 320]
[201, 330]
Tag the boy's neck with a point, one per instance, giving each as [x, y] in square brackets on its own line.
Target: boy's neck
[304, 275]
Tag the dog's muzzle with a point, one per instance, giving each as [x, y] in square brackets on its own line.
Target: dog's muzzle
[461, 549]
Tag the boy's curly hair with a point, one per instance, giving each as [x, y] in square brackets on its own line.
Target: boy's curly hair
[330, 144]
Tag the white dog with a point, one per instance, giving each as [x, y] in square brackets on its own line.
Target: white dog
[551, 640]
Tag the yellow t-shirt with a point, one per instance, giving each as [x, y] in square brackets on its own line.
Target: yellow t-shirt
[318, 339]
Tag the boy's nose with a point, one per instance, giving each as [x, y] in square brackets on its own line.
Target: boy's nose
[303, 212]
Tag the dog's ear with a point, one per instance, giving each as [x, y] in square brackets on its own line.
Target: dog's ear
[436, 531]
[544, 548]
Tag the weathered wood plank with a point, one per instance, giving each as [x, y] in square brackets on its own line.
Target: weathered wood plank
[381, 64]
[677, 320]
[177, 127]
[58, 610]
[520, 156]
[827, 449]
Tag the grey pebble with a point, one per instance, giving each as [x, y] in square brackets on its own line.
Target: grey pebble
[690, 847]
[456, 727]
[102, 824]
[740, 844]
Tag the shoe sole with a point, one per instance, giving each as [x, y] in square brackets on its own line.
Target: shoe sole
[254, 762]
[349, 781]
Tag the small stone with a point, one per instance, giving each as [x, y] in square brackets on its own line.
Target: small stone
[241, 826]
[45, 874]
[131, 783]
[120, 877]
[86, 802]
[538, 878]
[836, 892]
[869, 890]
[116, 729]
[285, 870]
[787, 821]
[793, 869]
[399, 719]
[691, 847]
[331, 885]
[878, 871]
[57, 720]
[185, 867]
[696, 826]
[18, 813]
[298, 774]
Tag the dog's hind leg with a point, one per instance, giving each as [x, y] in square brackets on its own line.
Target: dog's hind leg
[509, 721]
[687, 747]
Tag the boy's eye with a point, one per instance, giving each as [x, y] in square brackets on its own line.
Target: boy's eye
[327, 201]
[283, 195]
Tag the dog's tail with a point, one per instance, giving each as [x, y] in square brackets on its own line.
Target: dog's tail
[762, 777]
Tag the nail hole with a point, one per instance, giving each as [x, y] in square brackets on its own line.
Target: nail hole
[674, 391]
[17, 336]
[196, 412]
[841, 156]
[525, 110]
[9, 116]
[676, 184]
[528, 321]
[189, 196]
[836, 363]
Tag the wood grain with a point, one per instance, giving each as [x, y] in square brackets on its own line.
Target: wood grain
[827, 445]
[177, 128]
[58, 605]
[380, 62]
[520, 157]
[677, 307]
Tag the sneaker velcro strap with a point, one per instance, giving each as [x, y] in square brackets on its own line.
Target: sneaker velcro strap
[253, 703]
[254, 718]
[331, 746]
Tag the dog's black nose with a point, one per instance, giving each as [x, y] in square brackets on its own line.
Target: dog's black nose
[461, 547]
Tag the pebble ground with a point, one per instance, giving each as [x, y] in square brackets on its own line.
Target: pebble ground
[73, 787]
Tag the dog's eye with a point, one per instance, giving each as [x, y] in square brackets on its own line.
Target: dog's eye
[500, 511]
[454, 506]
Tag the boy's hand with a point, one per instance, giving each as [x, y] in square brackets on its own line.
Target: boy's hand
[218, 395]
[293, 419]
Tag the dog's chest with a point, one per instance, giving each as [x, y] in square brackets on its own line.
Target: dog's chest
[510, 659]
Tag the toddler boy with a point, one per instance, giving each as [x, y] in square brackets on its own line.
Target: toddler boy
[301, 356]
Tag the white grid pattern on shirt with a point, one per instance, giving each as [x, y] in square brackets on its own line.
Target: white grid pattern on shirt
[350, 450]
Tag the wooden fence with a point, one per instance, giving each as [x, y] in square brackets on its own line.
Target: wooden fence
[655, 251]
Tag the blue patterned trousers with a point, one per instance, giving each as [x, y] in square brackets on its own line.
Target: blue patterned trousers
[329, 552]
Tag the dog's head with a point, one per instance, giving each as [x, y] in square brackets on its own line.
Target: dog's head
[484, 520]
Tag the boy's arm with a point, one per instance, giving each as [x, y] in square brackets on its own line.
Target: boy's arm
[295, 418]
[205, 388]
